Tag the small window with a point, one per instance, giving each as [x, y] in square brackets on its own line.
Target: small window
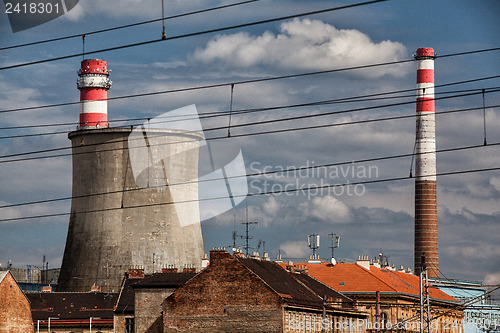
[129, 325]
[342, 283]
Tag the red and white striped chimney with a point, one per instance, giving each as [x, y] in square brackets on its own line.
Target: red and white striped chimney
[426, 228]
[93, 84]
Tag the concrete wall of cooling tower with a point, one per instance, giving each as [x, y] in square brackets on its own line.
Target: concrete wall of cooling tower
[116, 224]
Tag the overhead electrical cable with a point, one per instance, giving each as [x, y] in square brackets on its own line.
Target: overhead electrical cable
[263, 173]
[224, 113]
[274, 130]
[198, 33]
[271, 192]
[127, 25]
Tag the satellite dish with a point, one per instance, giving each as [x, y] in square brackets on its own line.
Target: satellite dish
[334, 262]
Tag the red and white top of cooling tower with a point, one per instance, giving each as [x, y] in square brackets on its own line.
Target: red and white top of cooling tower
[94, 84]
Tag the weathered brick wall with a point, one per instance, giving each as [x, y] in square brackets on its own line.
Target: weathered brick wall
[242, 319]
[148, 309]
[15, 311]
[225, 297]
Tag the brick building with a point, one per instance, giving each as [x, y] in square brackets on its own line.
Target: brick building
[398, 294]
[15, 314]
[237, 294]
[75, 312]
[139, 306]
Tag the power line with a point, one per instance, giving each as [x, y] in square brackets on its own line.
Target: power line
[224, 113]
[218, 85]
[127, 25]
[271, 192]
[244, 111]
[204, 32]
[274, 131]
[264, 173]
[238, 112]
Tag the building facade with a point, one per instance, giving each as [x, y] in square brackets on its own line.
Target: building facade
[392, 297]
[72, 312]
[241, 294]
[139, 305]
[15, 314]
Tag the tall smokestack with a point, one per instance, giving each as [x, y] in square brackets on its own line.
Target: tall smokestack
[93, 84]
[426, 229]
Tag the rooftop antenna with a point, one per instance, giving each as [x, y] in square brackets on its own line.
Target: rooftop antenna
[313, 242]
[247, 237]
[235, 234]
[381, 257]
[334, 243]
[263, 244]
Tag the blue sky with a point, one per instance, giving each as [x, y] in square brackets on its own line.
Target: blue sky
[377, 219]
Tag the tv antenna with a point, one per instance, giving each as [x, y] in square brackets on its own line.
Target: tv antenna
[334, 243]
[235, 234]
[263, 244]
[247, 237]
[381, 257]
[313, 242]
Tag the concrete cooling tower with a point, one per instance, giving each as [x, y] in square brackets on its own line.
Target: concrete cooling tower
[124, 216]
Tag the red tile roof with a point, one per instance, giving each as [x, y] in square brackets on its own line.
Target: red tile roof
[352, 278]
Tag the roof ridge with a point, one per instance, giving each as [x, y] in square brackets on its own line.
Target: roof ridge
[257, 275]
[302, 283]
[398, 278]
[376, 277]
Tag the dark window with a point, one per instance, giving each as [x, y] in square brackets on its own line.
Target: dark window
[383, 320]
[129, 325]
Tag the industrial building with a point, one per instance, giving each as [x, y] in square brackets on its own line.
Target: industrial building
[115, 223]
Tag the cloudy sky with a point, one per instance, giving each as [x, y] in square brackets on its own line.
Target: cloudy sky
[371, 218]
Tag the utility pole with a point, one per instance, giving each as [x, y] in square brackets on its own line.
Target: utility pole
[425, 307]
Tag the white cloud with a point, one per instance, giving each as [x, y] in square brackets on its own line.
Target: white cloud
[492, 278]
[307, 45]
[328, 208]
[271, 206]
[495, 182]
[76, 13]
[295, 249]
